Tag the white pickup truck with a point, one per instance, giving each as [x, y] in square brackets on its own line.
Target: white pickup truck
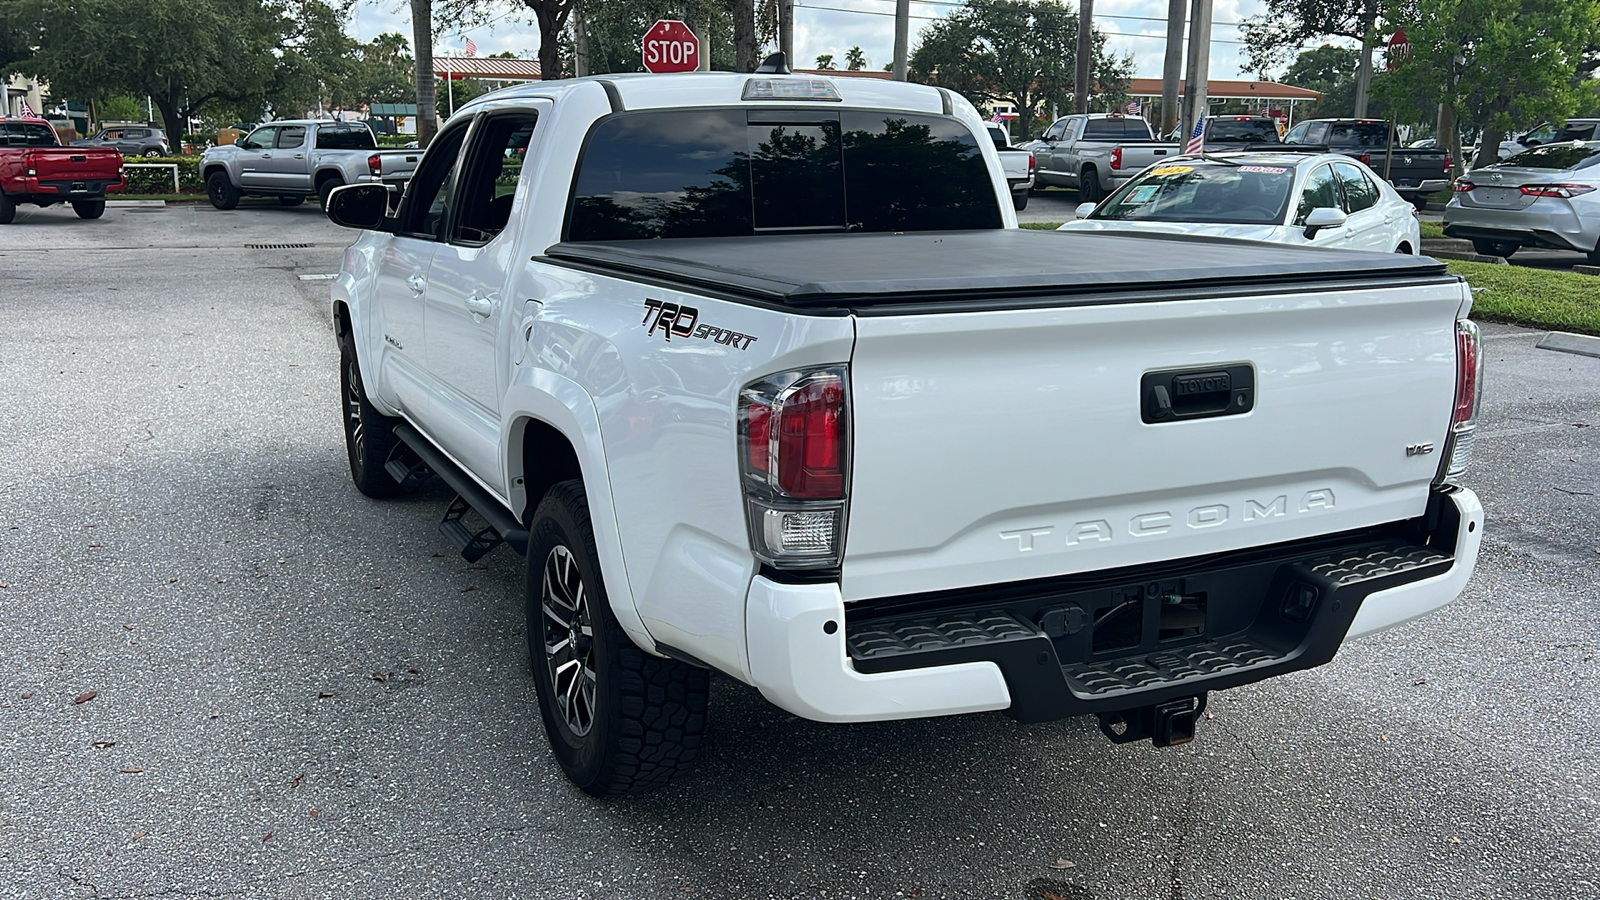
[761, 378]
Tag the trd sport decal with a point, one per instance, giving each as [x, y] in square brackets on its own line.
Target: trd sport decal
[673, 320]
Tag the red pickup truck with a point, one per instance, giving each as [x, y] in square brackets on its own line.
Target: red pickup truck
[35, 168]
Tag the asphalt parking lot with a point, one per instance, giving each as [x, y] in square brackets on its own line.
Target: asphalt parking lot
[226, 673]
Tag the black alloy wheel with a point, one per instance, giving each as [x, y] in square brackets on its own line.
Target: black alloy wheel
[221, 191]
[369, 436]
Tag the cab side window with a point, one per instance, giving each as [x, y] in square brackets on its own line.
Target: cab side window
[260, 139]
[1297, 134]
[1359, 192]
[1321, 190]
[487, 180]
[426, 208]
[1056, 130]
[290, 137]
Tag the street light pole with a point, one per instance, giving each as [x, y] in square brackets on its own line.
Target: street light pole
[902, 37]
[1080, 81]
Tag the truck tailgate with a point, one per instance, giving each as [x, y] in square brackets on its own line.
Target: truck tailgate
[76, 163]
[1006, 445]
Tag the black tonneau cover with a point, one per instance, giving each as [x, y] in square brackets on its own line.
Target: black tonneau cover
[968, 268]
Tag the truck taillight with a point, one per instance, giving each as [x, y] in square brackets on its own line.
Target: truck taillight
[1364, 158]
[1469, 392]
[1116, 157]
[794, 453]
[375, 163]
[1032, 166]
[1449, 162]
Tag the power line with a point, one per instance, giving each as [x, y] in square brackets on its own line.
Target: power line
[873, 12]
[1097, 15]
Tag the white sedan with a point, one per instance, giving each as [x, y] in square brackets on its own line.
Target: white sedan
[1317, 200]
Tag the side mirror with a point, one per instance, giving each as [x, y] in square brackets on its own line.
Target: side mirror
[1083, 210]
[364, 206]
[1323, 217]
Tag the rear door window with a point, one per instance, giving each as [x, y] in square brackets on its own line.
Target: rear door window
[1321, 190]
[732, 172]
[1359, 192]
[345, 137]
[291, 137]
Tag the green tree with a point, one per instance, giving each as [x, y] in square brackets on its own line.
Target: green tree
[854, 59]
[615, 28]
[1497, 63]
[1331, 72]
[1272, 37]
[1017, 51]
[825, 61]
[185, 54]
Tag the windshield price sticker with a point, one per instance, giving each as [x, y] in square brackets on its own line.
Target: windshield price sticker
[1265, 170]
[1140, 194]
[1172, 170]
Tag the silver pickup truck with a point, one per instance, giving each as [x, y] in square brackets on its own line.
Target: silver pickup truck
[298, 158]
[1095, 153]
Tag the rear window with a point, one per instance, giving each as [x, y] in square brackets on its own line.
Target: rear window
[345, 137]
[733, 172]
[26, 134]
[1116, 130]
[1359, 134]
[1194, 191]
[1555, 156]
[1249, 131]
[1578, 132]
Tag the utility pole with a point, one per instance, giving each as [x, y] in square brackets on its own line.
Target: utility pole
[1080, 81]
[902, 37]
[1199, 72]
[1172, 69]
[1369, 21]
[580, 43]
[744, 35]
[422, 50]
[786, 30]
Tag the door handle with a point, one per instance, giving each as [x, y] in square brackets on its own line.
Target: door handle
[480, 306]
[417, 283]
[299, 156]
[266, 156]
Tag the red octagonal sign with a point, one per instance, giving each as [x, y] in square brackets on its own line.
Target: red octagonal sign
[669, 46]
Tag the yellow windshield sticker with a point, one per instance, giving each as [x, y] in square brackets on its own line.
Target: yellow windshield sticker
[1172, 170]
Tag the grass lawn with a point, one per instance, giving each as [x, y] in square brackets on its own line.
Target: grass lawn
[1432, 229]
[1540, 298]
[1040, 226]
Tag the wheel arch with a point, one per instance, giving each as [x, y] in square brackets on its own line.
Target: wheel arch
[1405, 247]
[551, 432]
[213, 168]
[327, 174]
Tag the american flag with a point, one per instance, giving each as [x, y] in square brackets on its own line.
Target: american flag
[1197, 139]
[1134, 107]
[27, 111]
[472, 48]
[997, 119]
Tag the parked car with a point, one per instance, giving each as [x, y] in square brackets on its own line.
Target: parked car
[1542, 197]
[1415, 172]
[755, 400]
[300, 158]
[130, 140]
[1095, 153]
[35, 168]
[1016, 163]
[1324, 200]
[1235, 132]
[1551, 133]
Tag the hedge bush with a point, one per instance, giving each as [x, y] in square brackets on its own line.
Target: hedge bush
[159, 181]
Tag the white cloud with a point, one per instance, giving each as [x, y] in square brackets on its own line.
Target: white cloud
[868, 24]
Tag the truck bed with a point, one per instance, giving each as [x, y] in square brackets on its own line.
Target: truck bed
[992, 268]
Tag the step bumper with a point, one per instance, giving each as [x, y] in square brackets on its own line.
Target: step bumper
[1034, 651]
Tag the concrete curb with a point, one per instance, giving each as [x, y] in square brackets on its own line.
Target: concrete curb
[1566, 342]
[1468, 257]
[1587, 270]
[128, 204]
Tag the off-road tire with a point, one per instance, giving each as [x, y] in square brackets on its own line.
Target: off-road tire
[646, 715]
[8, 209]
[368, 434]
[1019, 201]
[221, 191]
[1494, 248]
[291, 199]
[89, 209]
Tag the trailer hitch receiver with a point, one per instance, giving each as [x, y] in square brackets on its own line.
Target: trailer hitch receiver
[1164, 724]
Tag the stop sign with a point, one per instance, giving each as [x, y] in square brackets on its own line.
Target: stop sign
[669, 46]
[1399, 50]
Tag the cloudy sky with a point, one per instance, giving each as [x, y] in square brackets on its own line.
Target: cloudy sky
[1134, 27]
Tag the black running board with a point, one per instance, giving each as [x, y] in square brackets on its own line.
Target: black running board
[503, 525]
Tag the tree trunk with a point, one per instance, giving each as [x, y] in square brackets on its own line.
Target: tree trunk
[552, 16]
[174, 120]
[1450, 138]
[1172, 67]
[580, 44]
[422, 49]
[1081, 86]
[744, 35]
[1369, 19]
[1489, 145]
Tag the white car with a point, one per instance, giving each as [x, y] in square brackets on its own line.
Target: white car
[1317, 200]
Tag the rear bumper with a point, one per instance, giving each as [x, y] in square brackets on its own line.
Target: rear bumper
[87, 189]
[1557, 227]
[1430, 186]
[1041, 650]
